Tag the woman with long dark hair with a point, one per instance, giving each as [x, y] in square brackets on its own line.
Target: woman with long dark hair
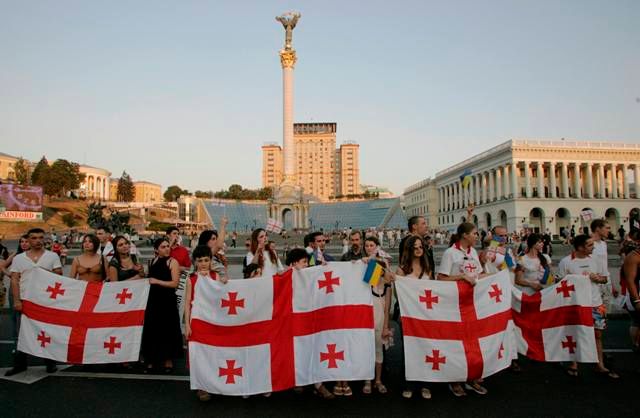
[533, 267]
[123, 265]
[161, 335]
[90, 265]
[215, 242]
[461, 262]
[414, 265]
[260, 254]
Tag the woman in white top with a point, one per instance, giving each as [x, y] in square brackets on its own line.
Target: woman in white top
[460, 262]
[414, 265]
[259, 254]
[532, 266]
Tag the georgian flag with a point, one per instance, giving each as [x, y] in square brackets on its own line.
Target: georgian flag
[273, 333]
[454, 331]
[73, 321]
[556, 324]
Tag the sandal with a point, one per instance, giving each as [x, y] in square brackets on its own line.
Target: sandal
[324, 393]
[572, 371]
[426, 393]
[204, 396]
[338, 390]
[608, 373]
[407, 394]
[366, 389]
[347, 390]
[381, 388]
[476, 387]
[457, 390]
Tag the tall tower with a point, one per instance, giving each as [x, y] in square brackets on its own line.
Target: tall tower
[288, 61]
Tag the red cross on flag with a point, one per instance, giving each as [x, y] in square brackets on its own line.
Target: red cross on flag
[274, 226]
[85, 322]
[282, 331]
[556, 323]
[454, 331]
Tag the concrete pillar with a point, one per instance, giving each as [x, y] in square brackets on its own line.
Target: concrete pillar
[498, 183]
[483, 184]
[552, 180]
[515, 190]
[505, 181]
[287, 124]
[527, 179]
[576, 181]
[589, 180]
[625, 182]
[636, 176]
[460, 194]
[478, 188]
[491, 186]
[614, 182]
[540, 179]
[565, 180]
[601, 184]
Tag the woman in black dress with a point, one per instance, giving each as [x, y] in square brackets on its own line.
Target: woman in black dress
[161, 336]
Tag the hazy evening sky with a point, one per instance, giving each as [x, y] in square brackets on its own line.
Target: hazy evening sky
[186, 92]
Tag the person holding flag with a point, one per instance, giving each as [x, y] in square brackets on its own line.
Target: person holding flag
[498, 256]
[533, 271]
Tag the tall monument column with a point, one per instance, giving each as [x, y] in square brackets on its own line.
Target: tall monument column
[288, 61]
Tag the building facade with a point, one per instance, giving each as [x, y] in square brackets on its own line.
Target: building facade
[543, 185]
[96, 183]
[321, 169]
[421, 199]
[7, 162]
[147, 192]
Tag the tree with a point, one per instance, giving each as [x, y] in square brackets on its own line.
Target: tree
[173, 193]
[23, 172]
[126, 190]
[203, 195]
[40, 172]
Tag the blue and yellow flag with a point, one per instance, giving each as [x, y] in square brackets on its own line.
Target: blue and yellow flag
[373, 273]
[465, 178]
[547, 279]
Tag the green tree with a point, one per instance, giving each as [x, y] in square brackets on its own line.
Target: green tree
[126, 190]
[173, 193]
[23, 172]
[203, 195]
[40, 172]
[63, 177]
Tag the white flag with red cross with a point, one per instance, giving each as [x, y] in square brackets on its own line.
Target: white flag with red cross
[273, 333]
[274, 226]
[556, 324]
[456, 332]
[73, 321]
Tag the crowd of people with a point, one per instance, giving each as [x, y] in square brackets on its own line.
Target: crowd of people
[105, 257]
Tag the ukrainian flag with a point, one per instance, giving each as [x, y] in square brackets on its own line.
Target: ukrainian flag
[465, 178]
[373, 273]
[547, 278]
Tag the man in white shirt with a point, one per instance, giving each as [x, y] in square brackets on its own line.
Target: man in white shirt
[35, 256]
[582, 263]
[106, 248]
[600, 231]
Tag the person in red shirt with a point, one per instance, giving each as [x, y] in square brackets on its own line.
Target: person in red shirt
[178, 251]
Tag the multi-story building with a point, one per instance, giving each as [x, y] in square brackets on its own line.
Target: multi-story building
[320, 169]
[272, 174]
[543, 185]
[6, 167]
[421, 199]
[147, 192]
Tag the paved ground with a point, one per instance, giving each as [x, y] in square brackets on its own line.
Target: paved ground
[541, 390]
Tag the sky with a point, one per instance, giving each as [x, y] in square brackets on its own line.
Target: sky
[186, 92]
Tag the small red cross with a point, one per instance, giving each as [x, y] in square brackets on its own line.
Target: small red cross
[230, 372]
[495, 293]
[328, 282]
[112, 345]
[232, 303]
[123, 296]
[44, 339]
[500, 350]
[470, 267]
[332, 356]
[435, 359]
[570, 344]
[565, 289]
[55, 291]
[429, 299]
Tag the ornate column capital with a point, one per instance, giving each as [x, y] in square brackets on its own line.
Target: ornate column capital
[288, 58]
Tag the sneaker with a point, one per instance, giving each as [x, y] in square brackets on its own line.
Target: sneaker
[476, 387]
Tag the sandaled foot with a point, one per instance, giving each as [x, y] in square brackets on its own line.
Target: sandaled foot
[338, 390]
[476, 387]
[607, 373]
[407, 394]
[381, 388]
[457, 390]
[347, 390]
[324, 393]
[426, 393]
[366, 389]
[572, 371]
[203, 396]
